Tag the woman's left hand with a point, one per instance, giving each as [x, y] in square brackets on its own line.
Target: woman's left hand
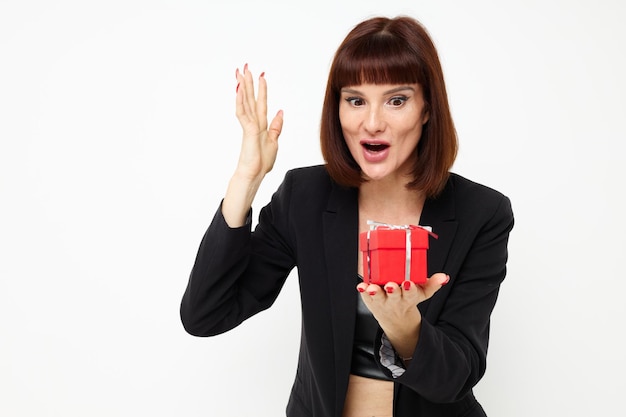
[395, 308]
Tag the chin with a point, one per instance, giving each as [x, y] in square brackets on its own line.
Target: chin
[375, 177]
[385, 176]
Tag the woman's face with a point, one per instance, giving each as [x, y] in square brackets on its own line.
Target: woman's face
[382, 125]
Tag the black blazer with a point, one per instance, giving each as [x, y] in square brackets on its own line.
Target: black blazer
[312, 223]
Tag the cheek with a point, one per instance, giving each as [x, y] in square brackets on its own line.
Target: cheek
[343, 121]
[342, 113]
[417, 134]
[346, 120]
[415, 127]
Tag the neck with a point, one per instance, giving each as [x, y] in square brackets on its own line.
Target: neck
[390, 203]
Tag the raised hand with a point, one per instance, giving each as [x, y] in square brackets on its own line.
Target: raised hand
[260, 143]
[259, 146]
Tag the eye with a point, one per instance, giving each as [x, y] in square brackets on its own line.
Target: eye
[355, 101]
[397, 101]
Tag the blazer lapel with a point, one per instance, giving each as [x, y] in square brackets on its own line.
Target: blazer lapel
[341, 229]
[440, 214]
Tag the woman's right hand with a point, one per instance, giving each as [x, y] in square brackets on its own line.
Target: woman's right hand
[258, 147]
[260, 143]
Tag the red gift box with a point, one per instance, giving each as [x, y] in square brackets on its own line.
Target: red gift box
[394, 253]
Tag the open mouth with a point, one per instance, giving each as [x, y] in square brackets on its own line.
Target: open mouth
[375, 147]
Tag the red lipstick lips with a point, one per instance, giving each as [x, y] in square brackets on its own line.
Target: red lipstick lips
[375, 150]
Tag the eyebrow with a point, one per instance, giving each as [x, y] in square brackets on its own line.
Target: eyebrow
[392, 91]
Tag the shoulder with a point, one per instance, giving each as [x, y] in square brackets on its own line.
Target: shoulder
[312, 174]
[311, 189]
[465, 187]
[303, 184]
[302, 192]
[309, 181]
[473, 198]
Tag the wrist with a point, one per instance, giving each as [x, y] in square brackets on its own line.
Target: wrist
[404, 339]
[238, 199]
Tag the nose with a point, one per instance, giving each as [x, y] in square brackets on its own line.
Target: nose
[374, 120]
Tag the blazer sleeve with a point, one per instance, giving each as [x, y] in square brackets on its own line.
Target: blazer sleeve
[238, 272]
[450, 357]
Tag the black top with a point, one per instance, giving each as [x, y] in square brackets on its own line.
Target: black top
[364, 362]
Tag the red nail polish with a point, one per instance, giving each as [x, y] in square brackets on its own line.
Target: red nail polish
[389, 290]
[446, 281]
[245, 68]
[361, 289]
[372, 293]
[262, 74]
[237, 89]
[407, 285]
[237, 73]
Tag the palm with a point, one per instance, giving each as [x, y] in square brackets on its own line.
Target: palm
[260, 143]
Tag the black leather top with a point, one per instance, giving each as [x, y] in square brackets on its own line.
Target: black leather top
[363, 359]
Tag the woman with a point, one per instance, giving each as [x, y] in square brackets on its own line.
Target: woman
[389, 142]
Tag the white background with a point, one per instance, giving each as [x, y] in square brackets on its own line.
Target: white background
[118, 136]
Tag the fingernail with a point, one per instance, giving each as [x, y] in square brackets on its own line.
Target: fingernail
[389, 290]
[361, 289]
[446, 281]
[237, 73]
[237, 89]
[245, 68]
[372, 293]
[407, 285]
[262, 74]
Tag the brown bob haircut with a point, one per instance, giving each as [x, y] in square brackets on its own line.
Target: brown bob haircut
[391, 51]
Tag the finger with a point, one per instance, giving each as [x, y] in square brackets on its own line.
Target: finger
[249, 100]
[240, 92]
[276, 127]
[411, 292]
[374, 290]
[434, 283]
[369, 293]
[261, 102]
[393, 290]
[246, 104]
